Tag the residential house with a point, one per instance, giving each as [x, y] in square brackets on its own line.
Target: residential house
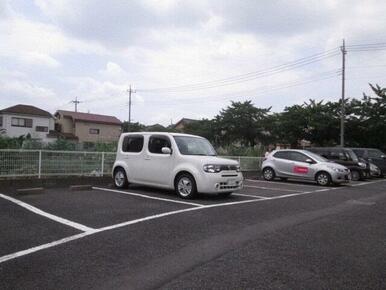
[181, 124]
[23, 120]
[88, 127]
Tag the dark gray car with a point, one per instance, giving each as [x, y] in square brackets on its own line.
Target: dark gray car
[372, 155]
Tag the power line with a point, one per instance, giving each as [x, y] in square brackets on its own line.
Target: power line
[368, 49]
[322, 76]
[248, 76]
[366, 44]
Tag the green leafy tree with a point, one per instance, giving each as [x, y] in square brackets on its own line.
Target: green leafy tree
[366, 124]
[132, 127]
[291, 125]
[242, 122]
[205, 128]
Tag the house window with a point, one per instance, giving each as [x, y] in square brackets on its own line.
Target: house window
[94, 131]
[1, 121]
[41, 129]
[21, 122]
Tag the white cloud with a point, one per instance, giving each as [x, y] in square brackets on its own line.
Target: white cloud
[16, 87]
[96, 49]
[114, 71]
[35, 58]
[39, 43]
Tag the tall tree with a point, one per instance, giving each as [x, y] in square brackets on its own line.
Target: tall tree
[243, 122]
[205, 128]
[367, 122]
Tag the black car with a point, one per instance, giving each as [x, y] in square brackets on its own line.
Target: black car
[374, 156]
[346, 157]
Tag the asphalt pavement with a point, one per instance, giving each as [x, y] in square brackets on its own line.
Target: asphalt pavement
[270, 235]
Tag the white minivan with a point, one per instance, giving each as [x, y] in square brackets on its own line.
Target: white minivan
[185, 163]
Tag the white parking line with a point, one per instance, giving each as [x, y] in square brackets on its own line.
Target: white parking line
[250, 195]
[147, 196]
[44, 246]
[58, 219]
[367, 182]
[152, 217]
[272, 188]
[273, 182]
[88, 233]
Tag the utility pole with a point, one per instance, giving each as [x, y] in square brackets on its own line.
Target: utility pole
[342, 110]
[130, 92]
[76, 102]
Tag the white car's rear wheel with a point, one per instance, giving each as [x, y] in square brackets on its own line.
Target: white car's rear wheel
[120, 178]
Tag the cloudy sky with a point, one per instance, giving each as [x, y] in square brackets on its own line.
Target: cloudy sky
[186, 58]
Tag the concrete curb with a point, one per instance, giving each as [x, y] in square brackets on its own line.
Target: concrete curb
[53, 182]
[31, 190]
[80, 187]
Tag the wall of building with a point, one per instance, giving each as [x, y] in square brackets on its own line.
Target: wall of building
[14, 131]
[66, 124]
[107, 133]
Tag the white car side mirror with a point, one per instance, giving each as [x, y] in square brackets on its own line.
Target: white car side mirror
[309, 161]
[166, 150]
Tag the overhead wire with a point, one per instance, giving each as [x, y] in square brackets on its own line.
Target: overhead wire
[321, 76]
[248, 76]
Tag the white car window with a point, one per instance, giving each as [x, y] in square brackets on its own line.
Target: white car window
[132, 143]
[194, 146]
[157, 142]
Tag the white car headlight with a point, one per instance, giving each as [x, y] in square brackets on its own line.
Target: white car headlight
[212, 168]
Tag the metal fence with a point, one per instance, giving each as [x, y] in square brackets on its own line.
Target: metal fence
[38, 163]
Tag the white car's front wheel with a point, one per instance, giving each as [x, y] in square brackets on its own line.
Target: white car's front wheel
[323, 179]
[185, 186]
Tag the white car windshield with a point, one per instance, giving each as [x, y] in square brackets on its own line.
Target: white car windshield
[188, 145]
[316, 157]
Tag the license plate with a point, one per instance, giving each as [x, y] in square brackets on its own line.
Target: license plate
[231, 182]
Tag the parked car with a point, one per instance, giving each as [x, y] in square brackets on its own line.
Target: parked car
[346, 157]
[375, 156]
[186, 163]
[375, 171]
[367, 172]
[303, 164]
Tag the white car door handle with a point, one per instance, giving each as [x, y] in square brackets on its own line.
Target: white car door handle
[147, 158]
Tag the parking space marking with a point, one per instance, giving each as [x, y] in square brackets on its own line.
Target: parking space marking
[272, 188]
[58, 219]
[251, 195]
[44, 246]
[368, 182]
[95, 231]
[273, 182]
[152, 217]
[147, 196]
